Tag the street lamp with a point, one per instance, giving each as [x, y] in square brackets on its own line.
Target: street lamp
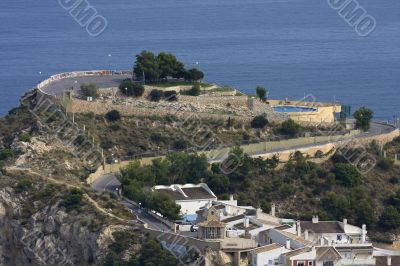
[126, 91]
[109, 62]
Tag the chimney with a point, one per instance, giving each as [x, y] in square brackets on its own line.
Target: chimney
[315, 219]
[364, 233]
[273, 209]
[345, 221]
[231, 197]
[321, 241]
[306, 234]
[389, 260]
[298, 228]
[246, 222]
[287, 243]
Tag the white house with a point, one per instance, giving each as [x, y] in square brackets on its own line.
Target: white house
[267, 255]
[312, 256]
[332, 232]
[190, 197]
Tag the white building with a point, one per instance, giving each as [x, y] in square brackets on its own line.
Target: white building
[267, 255]
[332, 232]
[190, 197]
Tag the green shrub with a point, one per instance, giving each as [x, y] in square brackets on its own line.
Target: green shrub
[5, 154]
[89, 90]
[79, 140]
[385, 164]
[290, 128]
[107, 144]
[319, 154]
[114, 127]
[180, 144]
[261, 93]
[113, 115]
[390, 218]
[347, 174]
[170, 96]
[48, 192]
[25, 137]
[194, 91]
[266, 206]
[363, 118]
[259, 121]
[23, 185]
[156, 95]
[72, 200]
[129, 88]
[170, 118]
[194, 74]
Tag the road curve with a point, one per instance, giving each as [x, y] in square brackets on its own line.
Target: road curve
[56, 88]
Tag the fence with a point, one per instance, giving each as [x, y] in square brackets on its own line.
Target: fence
[216, 155]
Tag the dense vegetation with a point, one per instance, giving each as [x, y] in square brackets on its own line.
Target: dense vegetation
[158, 68]
[261, 93]
[130, 88]
[89, 90]
[150, 254]
[333, 190]
[363, 118]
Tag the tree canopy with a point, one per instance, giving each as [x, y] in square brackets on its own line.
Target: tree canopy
[363, 118]
[290, 128]
[129, 88]
[159, 67]
[259, 121]
[147, 65]
[89, 90]
[261, 93]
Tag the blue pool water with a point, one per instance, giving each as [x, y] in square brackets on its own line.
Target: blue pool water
[293, 109]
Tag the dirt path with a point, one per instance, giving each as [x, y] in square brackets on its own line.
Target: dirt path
[59, 182]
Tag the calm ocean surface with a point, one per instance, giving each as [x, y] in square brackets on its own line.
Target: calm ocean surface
[292, 47]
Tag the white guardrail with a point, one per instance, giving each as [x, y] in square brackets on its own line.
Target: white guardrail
[77, 74]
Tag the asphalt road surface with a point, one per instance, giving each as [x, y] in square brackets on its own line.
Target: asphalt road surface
[58, 87]
[106, 183]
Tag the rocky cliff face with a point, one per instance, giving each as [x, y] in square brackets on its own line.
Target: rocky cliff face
[50, 235]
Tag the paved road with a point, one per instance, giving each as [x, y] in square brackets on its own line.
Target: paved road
[377, 128]
[57, 88]
[110, 183]
[106, 183]
[143, 216]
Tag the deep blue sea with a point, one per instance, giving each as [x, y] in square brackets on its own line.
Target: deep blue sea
[292, 47]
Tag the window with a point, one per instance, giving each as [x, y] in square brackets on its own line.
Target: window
[339, 238]
[300, 263]
[310, 263]
[328, 263]
[269, 262]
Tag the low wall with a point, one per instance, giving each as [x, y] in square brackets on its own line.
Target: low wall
[326, 144]
[234, 101]
[99, 108]
[77, 74]
[188, 242]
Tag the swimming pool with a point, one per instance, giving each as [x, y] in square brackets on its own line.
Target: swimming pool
[293, 109]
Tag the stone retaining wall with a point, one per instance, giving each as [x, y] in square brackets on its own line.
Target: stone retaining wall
[99, 108]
